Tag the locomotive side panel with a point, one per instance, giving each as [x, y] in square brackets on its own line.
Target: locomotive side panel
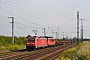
[51, 41]
[41, 42]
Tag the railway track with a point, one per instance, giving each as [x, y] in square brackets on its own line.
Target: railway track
[42, 54]
[13, 55]
[50, 55]
[55, 54]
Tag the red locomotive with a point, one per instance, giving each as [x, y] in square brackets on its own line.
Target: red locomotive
[41, 42]
[38, 42]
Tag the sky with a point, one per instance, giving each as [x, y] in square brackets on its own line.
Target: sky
[32, 15]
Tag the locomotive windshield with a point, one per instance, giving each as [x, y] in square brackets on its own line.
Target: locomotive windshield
[52, 40]
[32, 40]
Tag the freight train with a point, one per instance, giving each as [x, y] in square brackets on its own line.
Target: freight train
[41, 42]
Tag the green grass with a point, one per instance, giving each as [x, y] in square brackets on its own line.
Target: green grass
[12, 47]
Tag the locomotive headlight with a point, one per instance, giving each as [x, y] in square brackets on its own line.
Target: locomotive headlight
[33, 43]
[28, 43]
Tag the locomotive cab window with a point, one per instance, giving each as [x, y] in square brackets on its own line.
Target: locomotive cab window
[52, 40]
[31, 40]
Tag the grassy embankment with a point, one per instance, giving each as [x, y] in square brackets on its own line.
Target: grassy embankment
[80, 52]
[6, 43]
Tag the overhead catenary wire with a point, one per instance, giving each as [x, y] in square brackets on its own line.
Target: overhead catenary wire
[10, 25]
[23, 19]
[25, 25]
[3, 19]
[23, 28]
[21, 23]
[36, 23]
[5, 24]
[64, 22]
[28, 25]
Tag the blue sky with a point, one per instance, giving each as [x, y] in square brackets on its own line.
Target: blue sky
[37, 14]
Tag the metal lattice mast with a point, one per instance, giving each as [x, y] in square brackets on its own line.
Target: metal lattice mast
[82, 29]
[12, 29]
[78, 27]
[52, 32]
[44, 31]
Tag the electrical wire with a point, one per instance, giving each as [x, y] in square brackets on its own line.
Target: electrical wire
[21, 24]
[64, 22]
[21, 17]
[35, 23]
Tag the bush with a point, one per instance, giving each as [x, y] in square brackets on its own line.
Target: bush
[71, 54]
[6, 43]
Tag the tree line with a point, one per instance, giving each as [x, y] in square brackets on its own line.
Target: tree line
[7, 40]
